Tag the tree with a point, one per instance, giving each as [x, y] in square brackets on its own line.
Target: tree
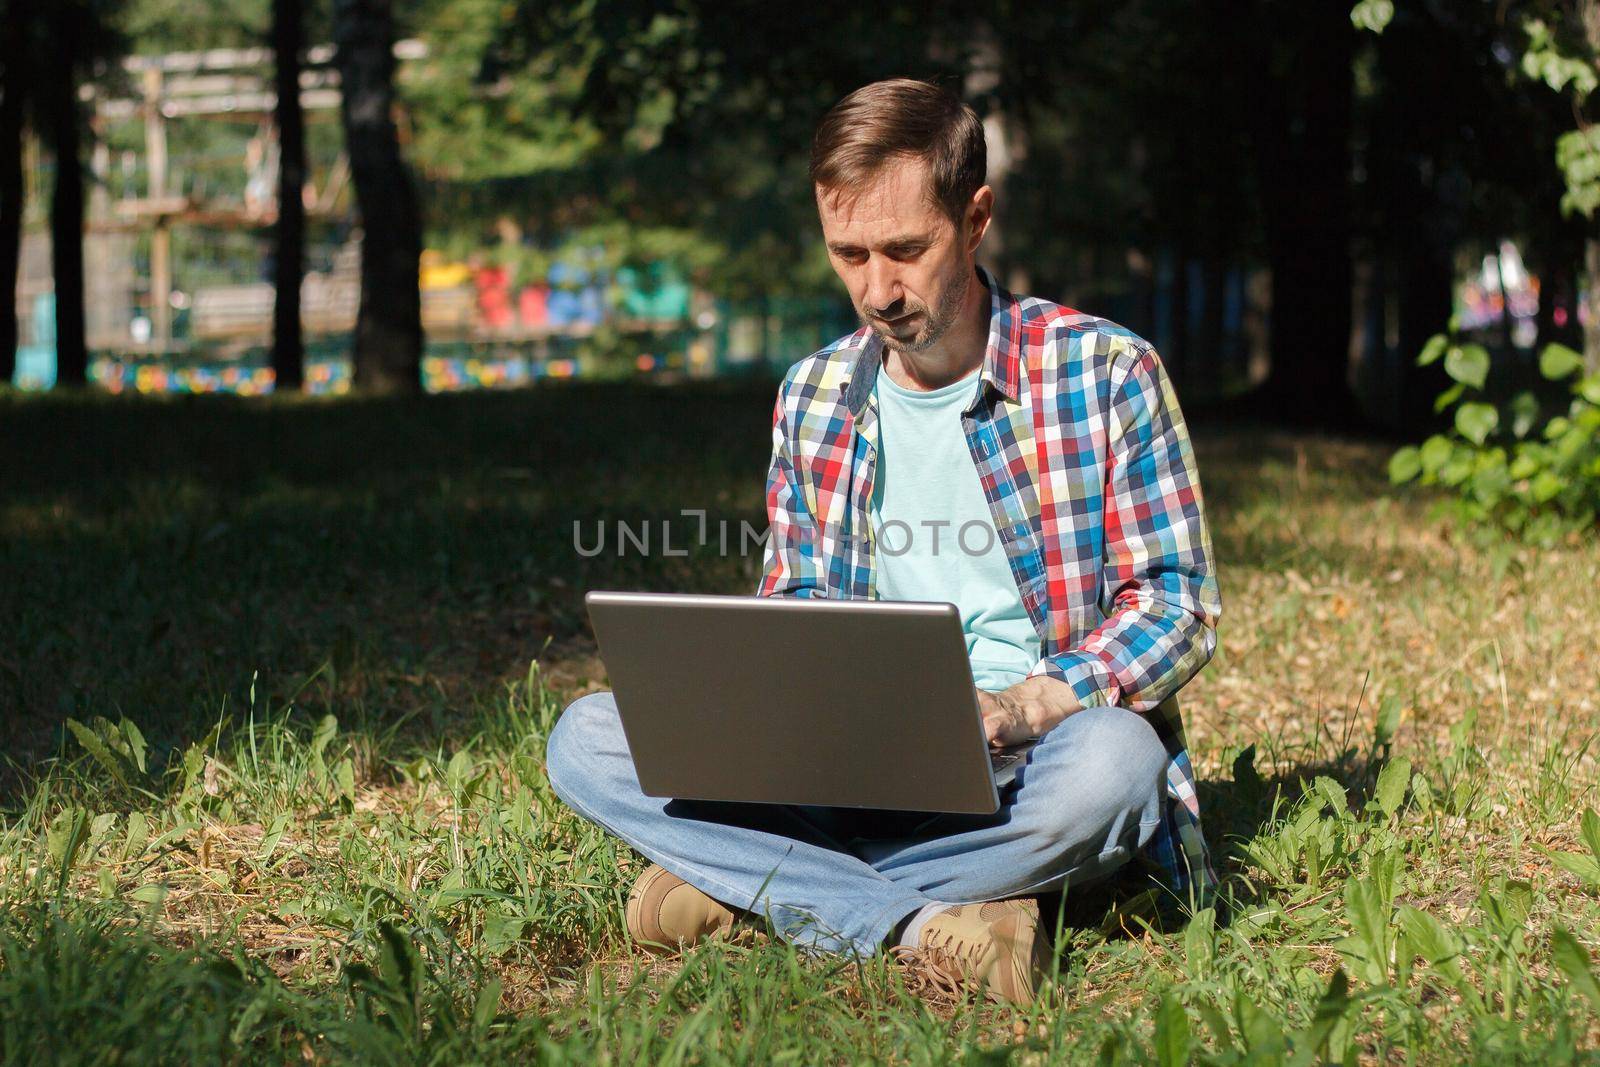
[1256, 101]
[15, 18]
[1589, 18]
[77, 39]
[1302, 132]
[62, 126]
[1556, 43]
[678, 132]
[1455, 155]
[289, 234]
[1215, 137]
[387, 354]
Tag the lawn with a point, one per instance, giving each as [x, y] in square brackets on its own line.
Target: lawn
[310, 652]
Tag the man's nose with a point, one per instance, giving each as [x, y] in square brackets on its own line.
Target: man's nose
[883, 293]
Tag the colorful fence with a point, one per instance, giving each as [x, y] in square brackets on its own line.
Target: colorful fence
[732, 340]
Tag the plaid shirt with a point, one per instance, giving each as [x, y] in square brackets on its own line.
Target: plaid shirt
[1086, 464]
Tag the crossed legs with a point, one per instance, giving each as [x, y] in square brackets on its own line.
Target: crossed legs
[1088, 799]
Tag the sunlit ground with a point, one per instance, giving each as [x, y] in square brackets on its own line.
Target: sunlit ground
[227, 575]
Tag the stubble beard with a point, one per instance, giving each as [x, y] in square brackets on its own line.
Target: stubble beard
[938, 323]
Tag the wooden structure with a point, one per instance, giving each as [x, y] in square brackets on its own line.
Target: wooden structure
[233, 85]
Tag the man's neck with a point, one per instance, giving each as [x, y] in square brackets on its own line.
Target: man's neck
[957, 354]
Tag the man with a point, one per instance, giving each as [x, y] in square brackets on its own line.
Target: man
[1028, 464]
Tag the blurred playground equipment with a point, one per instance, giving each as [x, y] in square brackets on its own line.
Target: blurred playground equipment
[178, 244]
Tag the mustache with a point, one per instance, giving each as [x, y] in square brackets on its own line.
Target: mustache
[897, 310]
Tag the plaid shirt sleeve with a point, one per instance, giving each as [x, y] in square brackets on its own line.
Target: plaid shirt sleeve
[1158, 586]
[790, 561]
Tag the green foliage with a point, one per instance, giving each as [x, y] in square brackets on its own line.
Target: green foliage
[118, 749]
[1572, 959]
[1372, 15]
[180, 26]
[337, 861]
[660, 134]
[1173, 1044]
[1565, 61]
[80, 988]
[1584, 866]
[1578, 157]
[409, 1012]
[1508, 472]
[416, 982]
[1545, 61]
[490, 104]
[1561, 57]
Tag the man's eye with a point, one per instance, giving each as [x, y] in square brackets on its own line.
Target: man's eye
[905, 251]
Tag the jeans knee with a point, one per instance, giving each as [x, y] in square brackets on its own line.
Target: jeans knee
[574, 740]
[1129, 733]
[1111, 771]
[1131, 745]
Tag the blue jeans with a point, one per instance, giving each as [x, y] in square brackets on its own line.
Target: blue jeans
[841, 879]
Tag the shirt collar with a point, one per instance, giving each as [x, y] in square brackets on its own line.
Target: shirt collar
[1002, 355]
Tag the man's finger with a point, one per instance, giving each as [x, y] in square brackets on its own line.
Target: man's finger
[993, 726]
[998, 728]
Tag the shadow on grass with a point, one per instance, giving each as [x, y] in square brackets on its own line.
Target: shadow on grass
[163, 559]
[1235, 811]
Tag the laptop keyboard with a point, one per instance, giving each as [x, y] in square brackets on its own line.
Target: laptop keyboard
[999, 761]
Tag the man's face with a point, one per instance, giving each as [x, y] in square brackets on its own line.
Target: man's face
[906, 265]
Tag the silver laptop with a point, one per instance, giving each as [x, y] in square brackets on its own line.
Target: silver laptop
[784, 700]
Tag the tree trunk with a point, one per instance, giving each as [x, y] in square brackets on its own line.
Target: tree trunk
[1423, 292]
[387, 356]
[288, 354]
[1303, 141]
[1591, 285]
[1558, 264]
[1175, 350]
[1410, 128]
[1006, 146]
[13, 53]
[1589, 12]
[1210, 366]
[66, 201]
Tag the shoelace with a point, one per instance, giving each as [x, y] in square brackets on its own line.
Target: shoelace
[926, 975]
[946, 962]
[954, 948]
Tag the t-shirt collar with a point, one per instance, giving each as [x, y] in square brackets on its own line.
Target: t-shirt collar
[1001, 357]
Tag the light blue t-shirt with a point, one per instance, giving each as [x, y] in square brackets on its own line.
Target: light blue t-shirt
[935, 533]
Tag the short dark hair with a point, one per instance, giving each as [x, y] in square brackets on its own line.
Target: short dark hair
[902, 117]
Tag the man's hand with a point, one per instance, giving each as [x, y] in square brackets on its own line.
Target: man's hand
[1031, 708]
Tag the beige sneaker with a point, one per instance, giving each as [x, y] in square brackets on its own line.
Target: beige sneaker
[665, 913]
[998, 945]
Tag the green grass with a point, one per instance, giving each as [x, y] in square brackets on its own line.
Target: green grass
[313, 651]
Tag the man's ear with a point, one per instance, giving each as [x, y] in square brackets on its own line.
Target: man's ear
[980, 212]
